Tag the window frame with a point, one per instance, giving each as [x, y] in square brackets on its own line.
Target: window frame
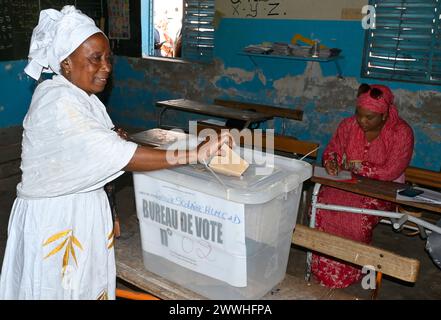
[147, 30]
[427, 62]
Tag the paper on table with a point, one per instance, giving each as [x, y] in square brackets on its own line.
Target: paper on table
[429, 196]
[320, 172]
[165, 139]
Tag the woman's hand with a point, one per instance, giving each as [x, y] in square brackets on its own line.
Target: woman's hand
[211, 147]
[148, 158]
[332, 167]
[353, 166]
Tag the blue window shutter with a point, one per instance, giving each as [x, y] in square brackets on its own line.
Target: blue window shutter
[436, 52]
[405, 44]
[147, 28]
[198, 30]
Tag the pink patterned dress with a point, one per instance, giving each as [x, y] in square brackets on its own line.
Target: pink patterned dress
[385, 158]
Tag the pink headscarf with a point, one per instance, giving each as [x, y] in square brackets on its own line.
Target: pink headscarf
[380, 105]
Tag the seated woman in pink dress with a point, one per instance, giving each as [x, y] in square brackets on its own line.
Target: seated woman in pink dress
[374, 143]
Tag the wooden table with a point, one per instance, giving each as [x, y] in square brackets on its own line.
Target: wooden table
[384, 190]
[191, 106]
[157, 137]
[130, 268]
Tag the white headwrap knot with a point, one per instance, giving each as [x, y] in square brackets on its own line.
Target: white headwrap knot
[56, 36]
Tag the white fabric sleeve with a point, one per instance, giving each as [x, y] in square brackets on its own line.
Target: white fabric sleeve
[72, 150]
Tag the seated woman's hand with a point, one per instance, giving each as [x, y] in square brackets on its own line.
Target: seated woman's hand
[354, 166]
[212, 146]
[331, 167]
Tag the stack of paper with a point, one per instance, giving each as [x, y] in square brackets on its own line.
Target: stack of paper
[167, 139]
[280, 49]
[343, 175]
[258, 48]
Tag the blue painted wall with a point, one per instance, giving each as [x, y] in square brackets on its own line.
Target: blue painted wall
[234, 34]
[294, 84]
[16, 93]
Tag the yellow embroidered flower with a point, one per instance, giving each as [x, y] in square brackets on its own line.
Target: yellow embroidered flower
[69, 242]
[111, 238]
[103, 296]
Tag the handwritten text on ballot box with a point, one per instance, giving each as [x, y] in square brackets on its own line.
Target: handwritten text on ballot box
[200, 232]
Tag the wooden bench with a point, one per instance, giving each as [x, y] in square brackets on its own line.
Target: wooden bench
[282, 144]
[423, 177]
[290, 145]
[270, 110]
[238, 118]
[384, 262]
[357, 253]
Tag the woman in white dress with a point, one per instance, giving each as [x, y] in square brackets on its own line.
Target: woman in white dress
[60, 237]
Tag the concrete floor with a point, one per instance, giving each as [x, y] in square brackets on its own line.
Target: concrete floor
[427, 287]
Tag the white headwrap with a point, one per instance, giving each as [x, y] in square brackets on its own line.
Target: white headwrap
[55, 37]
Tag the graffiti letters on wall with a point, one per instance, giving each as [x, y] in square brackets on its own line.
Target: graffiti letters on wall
[255, 8]
[288, 9]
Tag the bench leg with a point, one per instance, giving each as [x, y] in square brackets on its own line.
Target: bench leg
[378, 282]
[130, 295]
[312, 225]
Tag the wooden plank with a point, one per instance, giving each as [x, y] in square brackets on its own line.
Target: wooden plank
[292, 145]
[10, 152]
[357, 253]
[423, 177]
[130, 268]
[297, 288]
[288, 145]
[270, 110]
[281, 143]
[213, 110]
[150, 282]
[364, 186]
[384, 190]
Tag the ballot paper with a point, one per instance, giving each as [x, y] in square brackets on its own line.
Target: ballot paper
[343, 175]
[230, 164]
[428, 196]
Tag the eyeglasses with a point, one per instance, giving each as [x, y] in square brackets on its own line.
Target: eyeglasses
[375, 93]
